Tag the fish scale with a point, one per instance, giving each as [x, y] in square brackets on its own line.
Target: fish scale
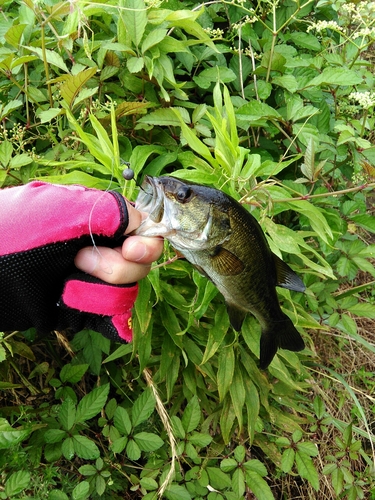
[224, 242]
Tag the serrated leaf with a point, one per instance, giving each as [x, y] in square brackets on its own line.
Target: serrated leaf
[228, 464]
[366, 221]
[54, 435]
[258, 486]
[6, 150]
[10, 436]
[51, 57]
[81, 491]
[67, 414]
[147, 441]
[73, 373]
[225, 370]
[192, 415]
[287, 460]
[91, 404]
[363, 309]
[67, 448]
[177, 492]
[14, 34]
[134, 15]
[122, 421]
[309, 449]
[85, 448]
[48, 115]
[16, 483]
[307, 470]
[238, 483]
[119, 444]
[135, 64]
[153, 38]
[336, 76]
[218, 479]
[143, 407]
[199, 439]
[132, 450]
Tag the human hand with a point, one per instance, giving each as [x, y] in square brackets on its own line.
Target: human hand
[45, 230]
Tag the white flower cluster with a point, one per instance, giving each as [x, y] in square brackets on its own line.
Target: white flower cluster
[247, 20]
[323, 25]
[364, 32]
[215, 33]
[364, 99]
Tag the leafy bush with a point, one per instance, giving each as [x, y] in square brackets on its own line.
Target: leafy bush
[272, 103]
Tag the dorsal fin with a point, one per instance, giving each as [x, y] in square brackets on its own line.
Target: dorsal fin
[286, 277]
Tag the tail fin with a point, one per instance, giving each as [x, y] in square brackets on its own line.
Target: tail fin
[278, 334]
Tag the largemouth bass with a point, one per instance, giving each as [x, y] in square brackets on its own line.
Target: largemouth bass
[224, 242]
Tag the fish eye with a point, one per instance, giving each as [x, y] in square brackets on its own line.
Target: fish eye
[183, 194]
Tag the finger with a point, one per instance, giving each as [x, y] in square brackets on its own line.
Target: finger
[141, 249]
[134, 218]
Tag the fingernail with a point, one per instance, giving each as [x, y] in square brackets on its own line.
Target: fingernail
[134, 251]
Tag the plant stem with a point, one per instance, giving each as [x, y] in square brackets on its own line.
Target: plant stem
[325, 195]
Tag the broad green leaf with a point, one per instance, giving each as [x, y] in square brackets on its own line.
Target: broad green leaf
[132, 450]
[218, 479]
[153, 38]
[85, 448]
[80, 178]
[135, 64]
[143, 407]
[91, 404]
[121, 351]
[305, 40]
[6, 150]
[73, 84]
[308, 448]
[228, 464]
[336, 76]
[177, 492]
[165, 117]
[238, 395]
[67, 448]
[238, 483]
[81, 491]
[50, 56]
[73, 373]
[258, 485]
[227, 419]
[192, 415]
[54, 435]
[288, 82]
[147, 441]
[16, 483]
[67, 414]
[48, 115]
[256, 113]
[199, 439]
[122, 421]
[307, 470]
[364, 309]
[9, 436]
[287, 460]
[57, 495]
[217, 332]
[134, 15]
[225, 370]
[14, 34]
[119, 444]
[366, 221]
[256, 466]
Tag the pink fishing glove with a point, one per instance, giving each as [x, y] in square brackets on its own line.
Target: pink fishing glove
[42, 227]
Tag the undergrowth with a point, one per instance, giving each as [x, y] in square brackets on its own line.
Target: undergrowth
[273, 103]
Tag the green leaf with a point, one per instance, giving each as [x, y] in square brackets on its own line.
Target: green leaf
[14, 34]
[132, 450]
[366, 310]
[67, 414]
[366, 221]
[67, 448]
[119, 444]
[237, 394]
[305, 40]
[225, 370]
[307, 470]
[134, 16]
[122, 421]
[143, 407]
[308, 448]
[50, 56]
[85, 448]
[287, 460]
[6, 150]
[228, 464]
[91, 404]
[73, 84]
[54, 435]
[336, 76]
[258, 485]
[192, 415]
[147, 441]
[199, 439]
[16, 483]
[10, 436]
[238, 483]
[177, 492]
[218, 479]
[153, 38]
[73, 373]
[81, 491]
[135, 64]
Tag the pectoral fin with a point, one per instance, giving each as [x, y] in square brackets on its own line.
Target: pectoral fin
[236, 317]
[225, 262]
[286, 277]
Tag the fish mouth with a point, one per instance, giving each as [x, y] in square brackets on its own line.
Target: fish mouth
[151, 199]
